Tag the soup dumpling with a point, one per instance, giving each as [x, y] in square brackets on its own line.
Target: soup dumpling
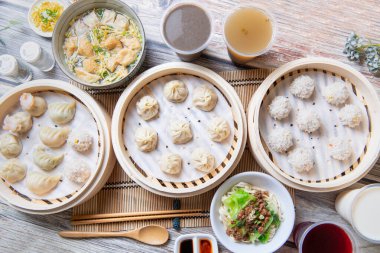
[34, 105]
[62, 112]
[147, 107]
[171, 163]
[219, 129]
[202, 160]
[18, 123]
[10, 145]
[13, 170]
[146, 139]
[180, 131]
[54, 137]
[41, 183]
[175, 91]
[204, 98]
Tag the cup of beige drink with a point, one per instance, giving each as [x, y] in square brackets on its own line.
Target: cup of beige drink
[248, 32]
[186, 28]
[361, 208]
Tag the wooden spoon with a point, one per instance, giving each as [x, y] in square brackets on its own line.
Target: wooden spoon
[153, 234]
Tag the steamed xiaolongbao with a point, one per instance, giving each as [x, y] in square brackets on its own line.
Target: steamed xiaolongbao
[218, 129]
[62, 112]
[18, 123]
[176, 91]
[10, 145]
[171, 163]
[35, 106]
[54, 137]
[147, 107]
[180, 131]
[146, 139]
[45, 160]
[202, 160]
[204, 98]
[40, 183]
[13, 170]
[77, 171]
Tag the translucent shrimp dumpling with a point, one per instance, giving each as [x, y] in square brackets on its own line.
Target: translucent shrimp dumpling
[62, 112]
[41, 183]
[18, 123]
[54, 137]
[34, 105]
[46, 160]
[10, 145]
[13, 170]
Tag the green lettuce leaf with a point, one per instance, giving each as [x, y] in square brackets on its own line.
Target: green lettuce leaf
[237, 201]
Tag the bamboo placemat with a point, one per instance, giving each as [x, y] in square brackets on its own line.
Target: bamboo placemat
[121, 194]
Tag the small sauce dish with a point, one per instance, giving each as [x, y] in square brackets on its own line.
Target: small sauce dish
[196, 243]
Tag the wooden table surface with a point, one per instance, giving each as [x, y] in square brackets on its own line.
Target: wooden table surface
[305, 28]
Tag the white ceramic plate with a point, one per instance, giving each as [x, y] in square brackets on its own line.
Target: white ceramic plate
[30, 21]
[266, 182]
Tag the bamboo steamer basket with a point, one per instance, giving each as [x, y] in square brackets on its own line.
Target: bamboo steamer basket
[106, 156]
[209, 180]
[361, 86]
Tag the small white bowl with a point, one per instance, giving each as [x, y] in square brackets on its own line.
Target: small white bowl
[30, 21]
[266, 182]
[196, 238]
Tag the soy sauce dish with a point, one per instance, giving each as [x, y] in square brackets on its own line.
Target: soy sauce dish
[252, 212]
[196, 243]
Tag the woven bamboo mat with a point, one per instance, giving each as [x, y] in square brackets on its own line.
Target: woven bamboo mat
[121, 194]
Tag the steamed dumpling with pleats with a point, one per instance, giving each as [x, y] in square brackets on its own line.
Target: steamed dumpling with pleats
[10, 145]
[108, 17]
[204, 98]
[176, 91]
[219, 129]
[171, 163]
[18, 123]
[34, 105]
[146, 139]
[46, 160]
[41, 183]
[203, 160]
[13, 170]
[86, 76]
[180, 131]
[54, 137]
[62, 112]
[147, 107]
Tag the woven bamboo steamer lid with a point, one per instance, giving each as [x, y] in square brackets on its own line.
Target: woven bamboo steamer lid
[370, 97]
[104, 152]
[172, 188]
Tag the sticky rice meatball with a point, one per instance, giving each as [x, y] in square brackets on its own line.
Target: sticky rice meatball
[336, 93]
[308, 120]
[302, 87]
[339, 148]
[301, 159]
[350, 115]
[280, 140]
[280, 108]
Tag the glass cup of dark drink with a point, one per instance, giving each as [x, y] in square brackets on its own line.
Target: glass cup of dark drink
[186, 28]
[326, 237]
